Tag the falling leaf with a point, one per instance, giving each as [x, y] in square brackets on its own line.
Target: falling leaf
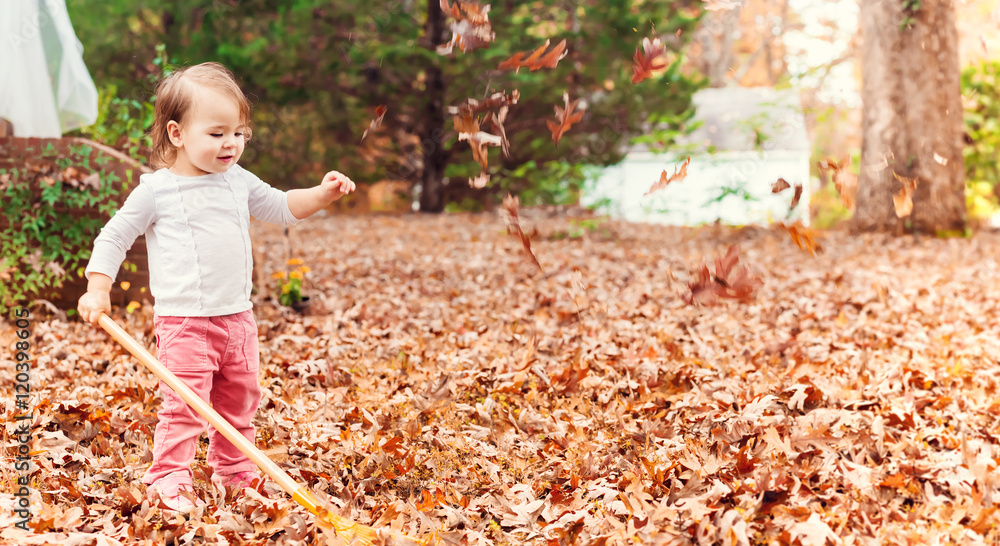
[725, 283]
[565, 118]
[779, 186]
[903, 199]
[470, 26]
[680, 173]
[377, 121]
[496, 100]
[803, 237]
[537, 59]
[480, 181]
[510, 205]
[132, 306]
[496, 120]
[125, 285]
[467, 127]
[845, 181]
[468, 124]
[643, 63]
[479, 141]
[796, 197]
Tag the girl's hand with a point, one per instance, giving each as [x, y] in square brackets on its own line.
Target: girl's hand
[336, 185]
[92, 304]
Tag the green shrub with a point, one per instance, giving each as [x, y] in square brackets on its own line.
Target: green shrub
[56, 203]
[54, 206]
[124, 120]
[981, 93]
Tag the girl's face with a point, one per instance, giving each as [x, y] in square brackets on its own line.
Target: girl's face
[211, 138]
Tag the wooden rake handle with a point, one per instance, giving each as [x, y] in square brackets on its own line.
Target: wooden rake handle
[300, 493]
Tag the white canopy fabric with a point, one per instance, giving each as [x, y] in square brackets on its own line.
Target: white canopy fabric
[45, 88]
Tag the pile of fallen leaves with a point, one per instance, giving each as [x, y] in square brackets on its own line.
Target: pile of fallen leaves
[443, 383]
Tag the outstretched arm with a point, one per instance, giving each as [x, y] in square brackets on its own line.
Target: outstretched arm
[306, 202]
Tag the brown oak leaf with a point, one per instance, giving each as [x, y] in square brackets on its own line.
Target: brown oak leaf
[725, 283]
[470, 26]
[537, 60]
[795, 197]
[803, 237]
[468, 128]
[680, 173]
[643, 62]
[780, 185]
[844, 180]
[480, 181]
[565, 118]
[510, 205]
[496, 100]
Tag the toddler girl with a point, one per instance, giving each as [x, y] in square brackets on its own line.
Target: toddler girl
[195, 212]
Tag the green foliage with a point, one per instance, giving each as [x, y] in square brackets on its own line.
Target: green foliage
[980, 200]
[124, 120]
[910, 9]
[467, 204]
[317, 69]
[43, 239]
[981, 92]
[122, 123]
[827, 209]
[552, 182]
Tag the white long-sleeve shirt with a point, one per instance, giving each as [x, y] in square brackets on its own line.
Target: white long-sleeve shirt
[197, 238]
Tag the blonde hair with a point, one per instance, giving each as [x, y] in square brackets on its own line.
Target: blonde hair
[174, 96]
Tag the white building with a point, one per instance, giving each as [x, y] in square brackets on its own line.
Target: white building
[758, 135]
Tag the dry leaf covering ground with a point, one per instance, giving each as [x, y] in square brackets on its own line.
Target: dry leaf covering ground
[443, 384]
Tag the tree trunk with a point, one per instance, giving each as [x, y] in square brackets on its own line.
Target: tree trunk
[715, 36]
[432, 130]
[912, 119]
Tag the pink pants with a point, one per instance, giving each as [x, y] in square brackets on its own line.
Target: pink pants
[218, 358]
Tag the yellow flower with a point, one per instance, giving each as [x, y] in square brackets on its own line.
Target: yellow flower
[295, 274]
[295, 261]
[286, 288]
[305, 269]
[278, 275]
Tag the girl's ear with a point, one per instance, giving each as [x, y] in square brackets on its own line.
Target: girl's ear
[174, 133]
